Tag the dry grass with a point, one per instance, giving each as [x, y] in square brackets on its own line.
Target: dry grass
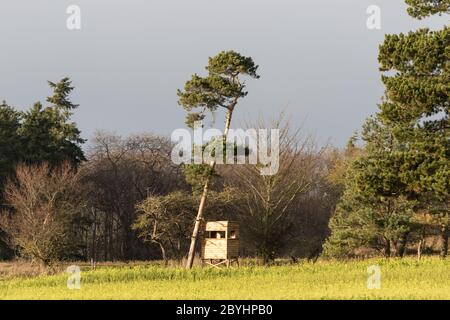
[26, 269]
[16, 269]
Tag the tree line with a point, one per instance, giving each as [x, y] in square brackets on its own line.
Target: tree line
[122, 198]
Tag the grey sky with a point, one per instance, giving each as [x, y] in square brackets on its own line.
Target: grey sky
[317, 58]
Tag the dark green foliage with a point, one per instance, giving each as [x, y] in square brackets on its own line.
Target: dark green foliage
[417, 107]
[10, 148]
[48, 134]
[220, 88]
[196, 175]
[375, 223]
[405, 165]
[420, 86]
[10, 153]
[41, 134]
[374, 211]
[193, 117]
[424, 8]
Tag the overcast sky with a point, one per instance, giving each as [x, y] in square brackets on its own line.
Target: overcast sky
[318, 60]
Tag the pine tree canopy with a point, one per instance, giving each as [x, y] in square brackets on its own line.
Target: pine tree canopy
[222, 87]
[424, 8]
[404, 167]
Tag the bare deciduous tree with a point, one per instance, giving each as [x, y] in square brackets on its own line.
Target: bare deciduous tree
[120, 173]
[269, 203]
[44, 204]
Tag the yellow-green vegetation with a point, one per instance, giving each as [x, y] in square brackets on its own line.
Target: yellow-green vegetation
[400, 279]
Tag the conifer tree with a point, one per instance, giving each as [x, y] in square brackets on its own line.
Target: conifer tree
[417, 107]
[47, 132]
[221, 88]
[407, 153]
[10, 148]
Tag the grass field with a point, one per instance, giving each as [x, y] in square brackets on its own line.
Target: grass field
[400, 279]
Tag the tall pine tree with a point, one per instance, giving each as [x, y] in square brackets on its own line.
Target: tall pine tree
[47, 132]
[10, 154]
[405, 164]
[10, 146]
[417, 107]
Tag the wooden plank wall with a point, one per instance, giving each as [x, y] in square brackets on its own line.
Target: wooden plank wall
[233, 248]
[221, 248]
[216, 226]
[214, 249]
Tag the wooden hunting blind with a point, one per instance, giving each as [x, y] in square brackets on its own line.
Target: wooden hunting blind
[220, 243]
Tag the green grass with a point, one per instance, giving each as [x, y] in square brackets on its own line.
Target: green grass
[400, 279]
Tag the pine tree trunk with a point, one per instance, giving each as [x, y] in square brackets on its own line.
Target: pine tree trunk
[387, 249]
[394, 248]
[444, 241]
[401, 245]
[199, 219]
[421, 244]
